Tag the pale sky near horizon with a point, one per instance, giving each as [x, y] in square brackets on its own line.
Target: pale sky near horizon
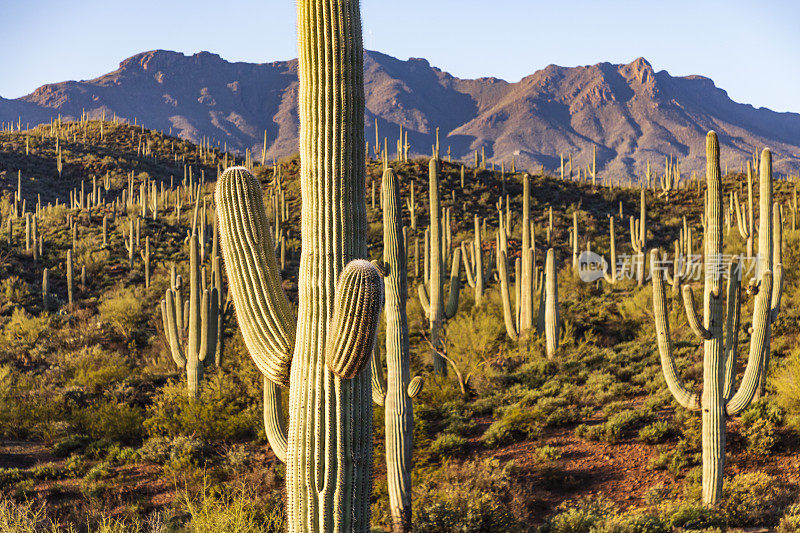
[749, 48]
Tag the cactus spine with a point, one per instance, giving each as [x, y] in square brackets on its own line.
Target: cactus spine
[329, 457]
[715, 402]
[396, 399]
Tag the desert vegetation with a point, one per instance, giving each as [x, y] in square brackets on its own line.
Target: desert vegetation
[353, 340]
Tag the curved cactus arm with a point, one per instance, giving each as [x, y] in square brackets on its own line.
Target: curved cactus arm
[378, 383]
[692, 316]
[733, 314]
[356, 315]
[424, 299]
[758, 342]
[469, 263]
[274, 423]
[455, 286]
[685, 397]
[502, 269]
[741, 223]
[263, 311]
[171, 329]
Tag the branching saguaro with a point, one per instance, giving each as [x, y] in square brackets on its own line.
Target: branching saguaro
[718, 398]
[329, 439]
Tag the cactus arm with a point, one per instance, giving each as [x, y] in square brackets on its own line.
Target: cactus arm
[376, 370]
[758, 345]
[455, 286]
[692, 316]
[415, 386]
[171, 329]
[202, 348]
[356, 315]
[740, 220]
[253, 275]
[274, 423]
[777, 262]
[777, 289]
[733, 314]
[469, 264]
[502, 269]
[424, 299]
[210, 319]
[685, 397]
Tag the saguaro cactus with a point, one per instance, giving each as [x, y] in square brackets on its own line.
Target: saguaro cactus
[432, 296]
[396, 398]
[70, 277]
[639, 238]
[201, 342]
[328, 458]
[477, 275]
[744, 221]
[552, 317]
[717, 399]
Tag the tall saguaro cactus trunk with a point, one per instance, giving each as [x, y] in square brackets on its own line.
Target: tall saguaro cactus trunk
[396, 399]
[329, 442]
[716, 401]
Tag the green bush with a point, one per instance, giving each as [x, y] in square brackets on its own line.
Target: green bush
[469, 497]
[790, 522]
[655, 432]
[516, 424]
[448, 445]
[123, 309]
[754, 499]
[581, 516]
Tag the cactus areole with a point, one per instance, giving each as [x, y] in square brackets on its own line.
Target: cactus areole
[329, 442]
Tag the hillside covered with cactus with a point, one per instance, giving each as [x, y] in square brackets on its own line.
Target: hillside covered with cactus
[629, 113]
[539, 399]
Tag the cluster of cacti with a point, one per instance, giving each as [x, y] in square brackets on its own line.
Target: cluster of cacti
[437, 252]
[718, 398]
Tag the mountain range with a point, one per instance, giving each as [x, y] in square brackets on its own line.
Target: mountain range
[629, 112]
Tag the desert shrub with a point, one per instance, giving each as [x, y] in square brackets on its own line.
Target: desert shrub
[691, 516]
[469, 497]
[759, 423]
[516, 424]
[70, 444]
[633, 521]
[752, 499]
[581, 516]
[93, 368]
[787, 384]
[612, 430]
[123, 308]
[790, 522]
[448, 445]
[24, 333]
[217, 415]
[655, 432]
[13, 292]
[553, 412]
[117, 422]
[675, 459]
[237, 509]
[546, 454]
[26, 518]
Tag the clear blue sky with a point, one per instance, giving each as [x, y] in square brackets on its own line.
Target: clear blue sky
[750, 48]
